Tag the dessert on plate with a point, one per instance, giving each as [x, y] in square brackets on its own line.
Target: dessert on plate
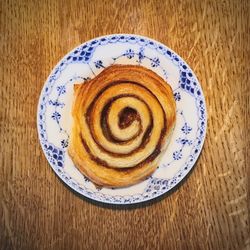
[122, 122]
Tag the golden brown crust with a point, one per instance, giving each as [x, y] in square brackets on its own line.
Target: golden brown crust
[123, 119]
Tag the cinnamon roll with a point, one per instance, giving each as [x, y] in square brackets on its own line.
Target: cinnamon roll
[122, 122]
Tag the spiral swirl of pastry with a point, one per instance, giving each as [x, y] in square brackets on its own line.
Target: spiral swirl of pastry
[122, 120]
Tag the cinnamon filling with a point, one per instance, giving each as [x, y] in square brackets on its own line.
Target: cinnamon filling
[127, 116]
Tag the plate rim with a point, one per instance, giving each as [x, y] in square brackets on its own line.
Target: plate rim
[85, 195]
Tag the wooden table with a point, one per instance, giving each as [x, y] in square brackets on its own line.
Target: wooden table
[210, 210]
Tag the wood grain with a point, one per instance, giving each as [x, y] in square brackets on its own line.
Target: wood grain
[210, 210]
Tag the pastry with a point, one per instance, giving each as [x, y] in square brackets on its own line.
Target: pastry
[122, 122]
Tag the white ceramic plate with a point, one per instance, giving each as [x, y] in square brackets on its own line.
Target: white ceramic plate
[86, 61]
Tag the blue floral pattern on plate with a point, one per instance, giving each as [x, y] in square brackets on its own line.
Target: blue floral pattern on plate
[84, 63]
